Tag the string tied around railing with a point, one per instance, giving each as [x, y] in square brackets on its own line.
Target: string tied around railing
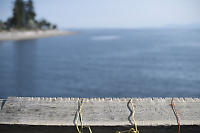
[131, 130]
[176, 114]
[80, 117]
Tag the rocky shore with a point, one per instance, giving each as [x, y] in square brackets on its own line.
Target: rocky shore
[32, 34]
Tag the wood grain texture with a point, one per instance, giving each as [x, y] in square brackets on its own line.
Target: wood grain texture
[99, 111]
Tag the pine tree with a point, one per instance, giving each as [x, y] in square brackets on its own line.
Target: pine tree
[24, 17]
[19, 14]
[30, 14]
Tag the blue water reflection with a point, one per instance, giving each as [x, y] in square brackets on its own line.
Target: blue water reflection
[103, 63]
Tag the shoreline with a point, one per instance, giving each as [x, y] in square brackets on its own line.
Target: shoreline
[31, 34]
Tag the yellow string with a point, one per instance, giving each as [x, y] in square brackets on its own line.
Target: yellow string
[132, 130]
[79, 115]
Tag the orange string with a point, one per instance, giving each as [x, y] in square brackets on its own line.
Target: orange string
[174, 109]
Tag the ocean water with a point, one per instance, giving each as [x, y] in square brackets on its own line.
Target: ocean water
[103, 63]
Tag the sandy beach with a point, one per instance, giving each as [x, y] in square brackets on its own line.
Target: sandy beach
[33, 34]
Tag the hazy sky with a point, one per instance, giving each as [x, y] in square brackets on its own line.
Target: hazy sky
[112, 13]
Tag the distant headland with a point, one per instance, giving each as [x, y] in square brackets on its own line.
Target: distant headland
[23, 25]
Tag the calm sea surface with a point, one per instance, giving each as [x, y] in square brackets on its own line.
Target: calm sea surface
[103, 63]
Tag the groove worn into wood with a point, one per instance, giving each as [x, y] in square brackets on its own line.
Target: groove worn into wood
[99, 111]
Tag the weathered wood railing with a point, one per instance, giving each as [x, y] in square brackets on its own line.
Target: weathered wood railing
[24, 114]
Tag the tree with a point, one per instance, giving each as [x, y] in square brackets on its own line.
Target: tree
[54, 26]
[43, 24]
[19, 14]
[24, 17]
[2, 25]
[30, 14]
